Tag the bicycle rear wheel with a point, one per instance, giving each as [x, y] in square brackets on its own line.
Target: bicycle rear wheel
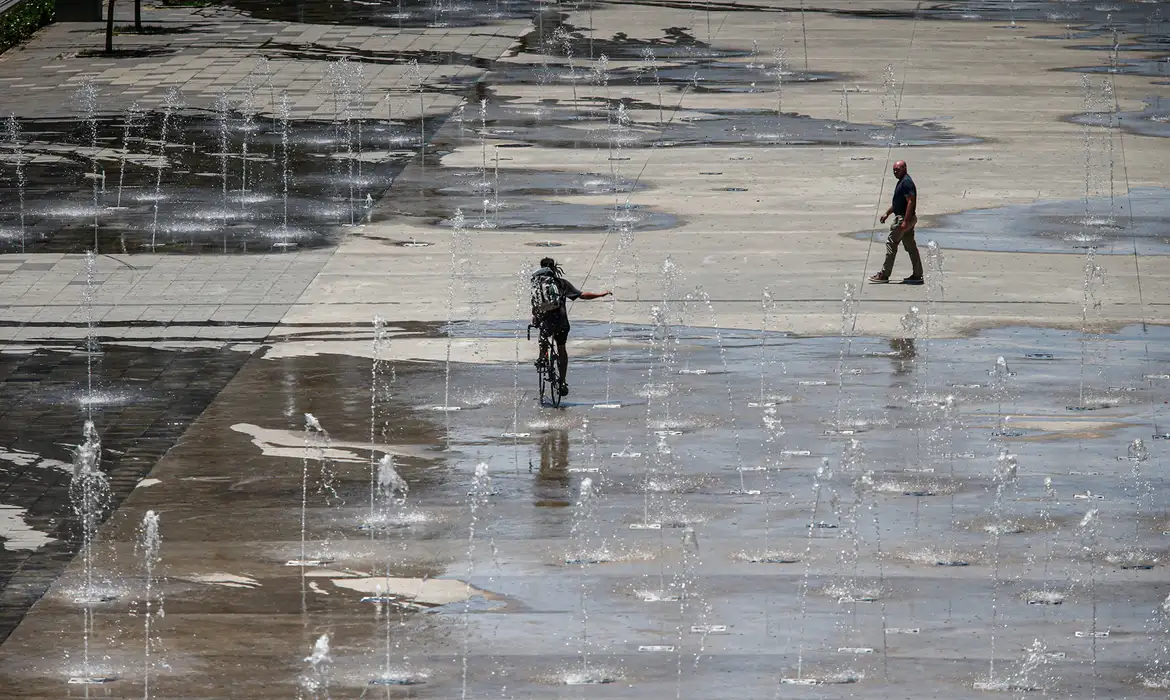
[554, 378]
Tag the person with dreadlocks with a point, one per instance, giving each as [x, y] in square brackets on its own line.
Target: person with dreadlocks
[550, 295]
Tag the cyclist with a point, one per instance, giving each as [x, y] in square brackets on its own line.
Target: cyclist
[550, 293]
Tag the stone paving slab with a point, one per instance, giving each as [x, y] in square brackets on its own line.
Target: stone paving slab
[54, 291]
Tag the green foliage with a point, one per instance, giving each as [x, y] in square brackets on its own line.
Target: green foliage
[20, 22]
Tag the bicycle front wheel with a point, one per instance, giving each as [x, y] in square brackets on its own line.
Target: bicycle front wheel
[542, 378]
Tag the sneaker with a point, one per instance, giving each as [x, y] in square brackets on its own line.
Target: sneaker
[879, 278]
[564, 389]
[913, 280]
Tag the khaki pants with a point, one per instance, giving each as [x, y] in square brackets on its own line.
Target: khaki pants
[907, 240]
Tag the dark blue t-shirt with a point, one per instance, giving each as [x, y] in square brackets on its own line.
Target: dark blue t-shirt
[905, 188]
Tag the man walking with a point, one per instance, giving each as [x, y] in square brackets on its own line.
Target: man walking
[905, 211]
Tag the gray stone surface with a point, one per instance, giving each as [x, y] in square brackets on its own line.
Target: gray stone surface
[218, 51]
[200, 315]
[791, 498]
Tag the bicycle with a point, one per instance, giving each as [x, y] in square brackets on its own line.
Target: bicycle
[546, 368]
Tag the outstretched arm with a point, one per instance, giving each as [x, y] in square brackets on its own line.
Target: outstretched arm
[574, 293]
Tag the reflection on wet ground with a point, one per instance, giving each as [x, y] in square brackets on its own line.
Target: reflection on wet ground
[592, 123]
[322, 52]
[1151, 67]
[676, 61]
[845, 488]
[1124, 26]
[1092, 15]
[699, 73]
[1122, 225]
[233, 182]
[1153, 120]
[511, 182]
[1101, 16]
[142, 401]
[673, 383]
[511, 199]
[220, 182]
[236, 181]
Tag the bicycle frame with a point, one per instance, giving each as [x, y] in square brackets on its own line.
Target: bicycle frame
[547, 367]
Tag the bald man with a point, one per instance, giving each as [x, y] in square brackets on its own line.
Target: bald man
[905, 211]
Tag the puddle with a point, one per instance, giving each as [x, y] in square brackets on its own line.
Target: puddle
[591, 125]
[517, 199]
[429, 592]
[1152, 120]
[768, 557]
[1137, 218]
[511, 182]
[936, 557]
[604, 555]
[1135, 559]
[920, 487]
[397, 680]
[701, 74]
[1041, 597]
[530, 215]
[187, 209]
[91, 680]
[99, 398]
[1091, 17]
[593, 676]
[1148, 67]
[838, 678]
[852, 593]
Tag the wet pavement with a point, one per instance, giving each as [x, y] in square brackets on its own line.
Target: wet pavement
[252, 175]
[585, 126]
[707, 451]
[733, 501]
[267, 185]
[1129, 223]
[1153, 120]
[1148, 67]
[142, 401]
[1082, 14]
